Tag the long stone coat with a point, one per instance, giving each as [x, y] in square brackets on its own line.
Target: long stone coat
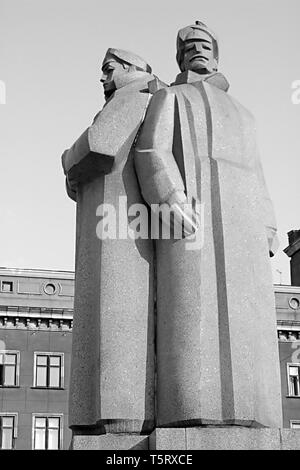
[217, 352]
[112, 371]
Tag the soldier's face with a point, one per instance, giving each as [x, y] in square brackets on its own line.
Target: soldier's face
[199, 54]
[111, 71]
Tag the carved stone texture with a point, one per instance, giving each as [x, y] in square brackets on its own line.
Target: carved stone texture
[227, 438]
[215, 302]
[112, 376]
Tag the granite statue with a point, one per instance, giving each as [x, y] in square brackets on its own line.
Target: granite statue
[112, 372]
[215, 363]
[169, 333]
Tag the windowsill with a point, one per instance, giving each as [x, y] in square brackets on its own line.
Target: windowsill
[48, 450]
[288, 340]
[9, 386]
[292, 396]
[48, 388]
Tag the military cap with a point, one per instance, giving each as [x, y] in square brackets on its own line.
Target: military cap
[128, 57]
[192, 32]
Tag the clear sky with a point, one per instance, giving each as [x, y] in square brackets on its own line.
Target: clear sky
[50, 56]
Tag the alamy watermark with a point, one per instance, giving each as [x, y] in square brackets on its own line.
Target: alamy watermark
[136, 221]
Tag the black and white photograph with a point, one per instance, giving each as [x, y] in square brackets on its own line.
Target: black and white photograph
[150, 228]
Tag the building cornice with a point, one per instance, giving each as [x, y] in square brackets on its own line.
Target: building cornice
[37, 311]
[286, 324]
[286, 289]
[36, 318]
[40, 273]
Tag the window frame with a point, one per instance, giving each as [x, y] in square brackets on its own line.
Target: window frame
[288, 365]
[14, 415]
[3, 281]
[17, 366]
[60, 416]
[294, 421]
[48, 367]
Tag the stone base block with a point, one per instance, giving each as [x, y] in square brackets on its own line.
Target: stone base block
[231, 438]
[110, 442]
[198, 438]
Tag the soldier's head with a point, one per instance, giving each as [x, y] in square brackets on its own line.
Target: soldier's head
[197, 49]
[119, 68]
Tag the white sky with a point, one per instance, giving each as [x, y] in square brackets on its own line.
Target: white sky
[50, 56]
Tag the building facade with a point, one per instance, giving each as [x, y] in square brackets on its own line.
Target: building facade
[35, 353]
[288, 325]
[36, 311]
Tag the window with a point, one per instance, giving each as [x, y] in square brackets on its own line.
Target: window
[295, 424]
[8, 430]
[47, 432]
[7, 286]
[294, 379]
[48, 370]
[9, 368]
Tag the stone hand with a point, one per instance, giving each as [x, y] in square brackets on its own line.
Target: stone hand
[186, 217]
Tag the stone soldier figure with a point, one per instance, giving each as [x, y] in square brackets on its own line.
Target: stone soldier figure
[215, 363]
[112, 372]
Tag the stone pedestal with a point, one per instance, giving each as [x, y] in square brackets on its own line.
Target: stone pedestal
[194, 438]
[110, 442]
[227, 438]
